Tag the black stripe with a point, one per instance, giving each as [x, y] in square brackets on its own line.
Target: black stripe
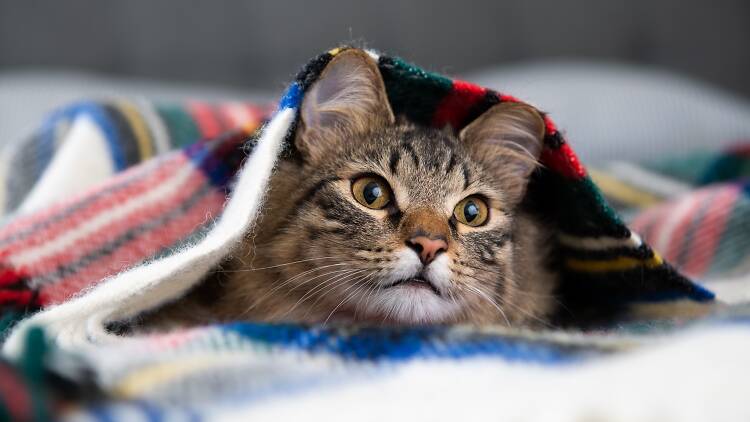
[451, 162]
[411, 152]
[312, 193]
[394, 217]
[467, 175]
[393, 163]
[312, 70]
[642, 252]
[126, 136]
[554, 140]
[490, 99]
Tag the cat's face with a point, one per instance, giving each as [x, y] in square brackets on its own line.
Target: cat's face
[398, 224]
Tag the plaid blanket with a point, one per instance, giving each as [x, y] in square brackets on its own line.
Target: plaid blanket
[114, 208]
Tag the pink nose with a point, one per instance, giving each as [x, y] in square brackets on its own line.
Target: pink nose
[427, 248]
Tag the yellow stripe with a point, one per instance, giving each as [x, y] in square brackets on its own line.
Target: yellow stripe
[139, 382]
[621, 191]
[140, 130]
[618, 264]
[334, 51]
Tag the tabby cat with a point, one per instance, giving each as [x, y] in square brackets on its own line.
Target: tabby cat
[378, 221]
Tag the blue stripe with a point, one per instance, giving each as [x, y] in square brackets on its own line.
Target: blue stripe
[697, 293]
[46, 149]
[406, 344]
[100, 116]
[212, 166]
[101, 413]
[46, 137]
[291, 98]
[150, 411]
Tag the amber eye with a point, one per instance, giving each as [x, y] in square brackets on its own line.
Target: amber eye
[471, 211]
[372, 192]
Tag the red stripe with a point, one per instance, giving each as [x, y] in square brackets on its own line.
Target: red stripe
[105, 202]
[643, 222]
[223, 114]
[564, 161]
[255, 113]
[14, 395]
[658, 220]
[455, 107]
[208, 123]
[96, 240]
[708, 234]
[509, 98]
[11, 276]
[219, 117]
[677, 237]
[134, 252]
[16, 297]
[550, 127]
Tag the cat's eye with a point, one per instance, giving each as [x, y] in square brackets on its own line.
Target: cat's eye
[372, 192]
[472, 211]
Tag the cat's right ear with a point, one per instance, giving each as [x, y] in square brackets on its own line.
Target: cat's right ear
[348, 98]
[508, 140]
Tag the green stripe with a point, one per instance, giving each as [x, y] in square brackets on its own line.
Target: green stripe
[412, 91]
[32, 367]
[690, 168]
[577, 206]
[182, 128]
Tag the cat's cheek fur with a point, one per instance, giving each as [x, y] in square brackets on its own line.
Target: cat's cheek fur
[439, 273]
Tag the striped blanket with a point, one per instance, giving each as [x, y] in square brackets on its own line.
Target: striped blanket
[694, 208]
[114, 208]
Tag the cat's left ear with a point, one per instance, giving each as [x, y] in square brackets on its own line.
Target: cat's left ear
[349, 98]
[507, 139]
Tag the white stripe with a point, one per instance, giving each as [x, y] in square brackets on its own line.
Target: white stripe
[158, 130]
[116, 213]
[599, 243]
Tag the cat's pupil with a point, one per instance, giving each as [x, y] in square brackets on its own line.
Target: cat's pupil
[471, 211]
[372, 192]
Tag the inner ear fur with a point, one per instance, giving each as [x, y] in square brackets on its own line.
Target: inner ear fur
[508, 140]
[348, 98]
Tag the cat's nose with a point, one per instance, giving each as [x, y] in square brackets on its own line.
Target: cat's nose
[427, 248]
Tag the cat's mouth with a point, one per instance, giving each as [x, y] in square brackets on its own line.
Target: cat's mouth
[417, 283]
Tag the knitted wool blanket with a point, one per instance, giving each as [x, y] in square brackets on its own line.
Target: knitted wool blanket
[114, 208]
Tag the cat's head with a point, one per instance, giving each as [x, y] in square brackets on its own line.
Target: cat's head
[398, 223]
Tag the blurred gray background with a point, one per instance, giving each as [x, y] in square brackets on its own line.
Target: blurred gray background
[261, 43]
[567, 56]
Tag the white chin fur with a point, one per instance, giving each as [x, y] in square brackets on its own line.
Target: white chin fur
[413, 305]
